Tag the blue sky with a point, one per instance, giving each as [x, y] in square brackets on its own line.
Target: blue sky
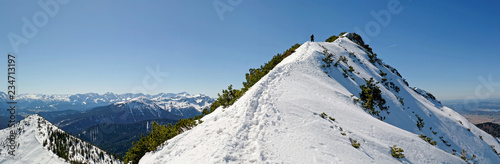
[444, 47]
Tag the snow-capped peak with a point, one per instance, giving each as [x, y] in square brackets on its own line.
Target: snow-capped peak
[180, 105]
[39, 141]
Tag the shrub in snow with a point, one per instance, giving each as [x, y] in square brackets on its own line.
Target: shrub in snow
[336, 63]
[390, 85]
[345, 73]
[397, 152]
[351, 69]
[428, 139]
[328, 60]
[358, 40]
[371, 97]
[494, 150]
[444, 141]
[351, 54]
[404, 80]
[354, 143]
[420, 122]
[229, 96]
[158, 135]
[373, 58]
[383, 74]
[343, 59]
[426, 94]
[463, 156]
[331, 38]
[323, 115]
[431, 96]
[384, 80]
[393, 70]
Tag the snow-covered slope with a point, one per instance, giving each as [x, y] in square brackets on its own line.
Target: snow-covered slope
[38, 141]
[278, 120]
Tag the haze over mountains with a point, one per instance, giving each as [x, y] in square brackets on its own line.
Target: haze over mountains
[477, 111]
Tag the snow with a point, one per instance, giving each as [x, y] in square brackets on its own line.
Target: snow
[180, 102]
[31, 149]
[278, 120]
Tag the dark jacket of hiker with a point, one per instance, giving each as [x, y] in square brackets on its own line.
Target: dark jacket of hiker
[312, 38]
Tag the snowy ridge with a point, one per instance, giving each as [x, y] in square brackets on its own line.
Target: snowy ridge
[278, 119]
[37, 141]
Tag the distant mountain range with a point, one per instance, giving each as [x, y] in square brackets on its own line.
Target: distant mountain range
[134, 110]
[34, 103]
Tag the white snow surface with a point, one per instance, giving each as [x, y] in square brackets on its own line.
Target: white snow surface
[278, 119]
[32, 132]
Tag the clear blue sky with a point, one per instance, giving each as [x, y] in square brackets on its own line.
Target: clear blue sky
[106, 46]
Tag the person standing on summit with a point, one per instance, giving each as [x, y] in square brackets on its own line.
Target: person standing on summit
[312, 38]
